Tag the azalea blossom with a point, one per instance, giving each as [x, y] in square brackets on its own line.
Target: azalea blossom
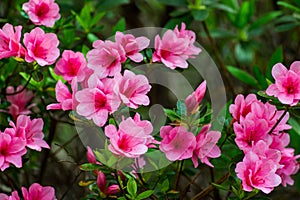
[177, 143]
[287, 83]
[42, 12]
[132, 139]
[106, 58]
[193, 100]
[290, 166]
[14, 196]
[242, 106]
[175, 48]
[41, 47]
[11, 150]
[38, 192]
[10, 41]
[250, 131]
[31, 131]
[102, 185]
[206, 146]
[72, 64]
[19, 101]
[66, 99]
[98, 100]
[257, 173]
[132, 45]
[132, 89]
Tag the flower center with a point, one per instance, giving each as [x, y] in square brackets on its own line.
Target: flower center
[42, 9]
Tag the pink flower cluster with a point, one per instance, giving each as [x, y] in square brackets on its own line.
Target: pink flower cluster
[18, 101]
[263, 140]
[132, 139]
[287, 83]
[42, 12]
[179, 144]
[103, 87]
[35, 192]
[14, 140]
[40, 47]
[175, 47]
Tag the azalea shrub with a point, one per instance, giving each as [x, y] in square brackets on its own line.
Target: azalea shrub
[95, 107]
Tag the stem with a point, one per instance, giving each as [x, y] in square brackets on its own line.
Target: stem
[279, 120]
[210, 188]
[219, 58]
[179, 173]
[120, 184]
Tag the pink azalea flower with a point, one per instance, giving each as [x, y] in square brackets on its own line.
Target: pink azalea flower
[10, 42]
[72, 65]
[42, 12]
[98, 100]
[242, 106]
[270, 113]
[287, 83]
[177, 143]
[257, 173]
[41, 47]
[193, 100]
[132, 139]
[106, 58]
[14, 196]
[206, 146]
[265, 152]
[132, 45]
[90, 155]
[19, 101]
[280, 141]
[66, 100]
[289, 167]
[38, 192]
[250, 131]
[106, 191]
[132, 89]
[11, 150]
[29, 130]
[175, 48]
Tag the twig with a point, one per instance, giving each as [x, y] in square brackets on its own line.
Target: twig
[210, 188]
[179, 173]
[279, 120]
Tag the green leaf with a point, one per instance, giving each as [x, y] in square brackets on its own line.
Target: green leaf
[144, 194]
[265, 19]
[199, 15]
[120, 26]
[32, 82]
[96, 18]
[105, 5]
[171, 114]
[132, 187]
[234, 5]
[260, 77]
[220, 187]
[225, 8]
[276, 57]
[164, 186]
[289, 6]
[295, 125]
[243, 15]
[55, 76]
[179, 3]
[286, 27]
[85, 14]
[181, 108]
[89, 167]
[244, 52]
[242, 76]
[92, 37]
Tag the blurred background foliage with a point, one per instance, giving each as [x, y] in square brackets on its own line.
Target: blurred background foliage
[244, 37]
